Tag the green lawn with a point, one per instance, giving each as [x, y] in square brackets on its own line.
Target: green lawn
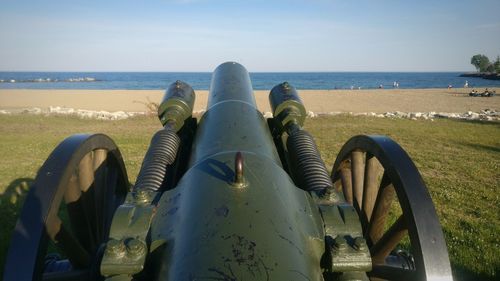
[459, 160]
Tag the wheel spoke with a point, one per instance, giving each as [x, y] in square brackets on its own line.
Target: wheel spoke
[358, 170]
[385, 196]
[100, 189]
[385, 272]
[370, 190]
[77, 212]
[345, 178]
[110, 193]
[388, 241]
[65, 187]
[86, 181]
[401, 194]
[69, 244]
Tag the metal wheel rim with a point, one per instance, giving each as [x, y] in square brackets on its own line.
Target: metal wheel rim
[419, 215]
[50, 189]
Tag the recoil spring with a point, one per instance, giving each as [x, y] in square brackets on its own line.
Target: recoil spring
[308, 167]
[161, 152]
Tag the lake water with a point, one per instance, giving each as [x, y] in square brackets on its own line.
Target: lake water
[260, 81]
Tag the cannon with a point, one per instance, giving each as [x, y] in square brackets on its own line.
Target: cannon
[233, 196]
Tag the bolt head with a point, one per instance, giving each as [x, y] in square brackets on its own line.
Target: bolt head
[340, 242]
[115, 248]
[360, 243]
[141, 196]
[135, 247]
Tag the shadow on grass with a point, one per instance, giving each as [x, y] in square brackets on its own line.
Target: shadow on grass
[461, 273]
[481, 147]
[11, 202]
[479, 122]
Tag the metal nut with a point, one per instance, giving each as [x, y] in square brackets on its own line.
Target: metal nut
[141, 196]
[115, 248]
[360, 243]
[135, 247]
[340, 242]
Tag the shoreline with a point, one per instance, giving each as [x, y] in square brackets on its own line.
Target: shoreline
[483, 115]
[319, 101]
[483, 75]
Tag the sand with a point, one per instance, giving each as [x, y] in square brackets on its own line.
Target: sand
[318, 101]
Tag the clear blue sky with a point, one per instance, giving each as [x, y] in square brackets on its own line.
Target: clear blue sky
[294, 35]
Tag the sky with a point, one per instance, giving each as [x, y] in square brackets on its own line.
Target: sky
[265, 36]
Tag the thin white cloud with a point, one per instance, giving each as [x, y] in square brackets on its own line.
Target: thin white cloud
[489, 26]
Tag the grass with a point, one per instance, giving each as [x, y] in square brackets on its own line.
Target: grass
[460, 162]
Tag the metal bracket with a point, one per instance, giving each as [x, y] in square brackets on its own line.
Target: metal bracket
[126, 249]
[344, 239]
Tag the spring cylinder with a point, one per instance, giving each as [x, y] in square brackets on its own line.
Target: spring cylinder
[307, 167]
[161, 153]
[177, 104]
[175, 108]
[286, 105]
[306, 163]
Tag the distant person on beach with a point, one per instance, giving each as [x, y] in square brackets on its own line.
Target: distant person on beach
[487, 93]
[380, 86]
[466, 85]
[449, 86]
[473, 93]
[394, 84]
[397, 85]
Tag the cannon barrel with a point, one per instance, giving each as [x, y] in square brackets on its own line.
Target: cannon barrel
[213, 226]
[232, 122]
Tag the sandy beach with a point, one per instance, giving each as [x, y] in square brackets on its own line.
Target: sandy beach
[318, 101]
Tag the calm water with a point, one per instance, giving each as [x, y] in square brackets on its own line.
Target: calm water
[260, 81]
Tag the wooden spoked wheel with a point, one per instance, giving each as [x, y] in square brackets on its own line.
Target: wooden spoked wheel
[71, 203]
[398, 218]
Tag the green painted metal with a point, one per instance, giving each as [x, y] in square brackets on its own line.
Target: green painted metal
[231, 82]
[286, 105]
[268, 229]
[176, 105]
[208, 227]
[236, 214]
[126, 249]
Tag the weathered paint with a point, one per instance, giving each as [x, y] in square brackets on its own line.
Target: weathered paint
[207, 228]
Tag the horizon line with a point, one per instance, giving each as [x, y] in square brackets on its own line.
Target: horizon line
[169, 71]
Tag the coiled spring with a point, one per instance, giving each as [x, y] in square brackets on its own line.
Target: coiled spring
[308, 168]
[161, 153]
